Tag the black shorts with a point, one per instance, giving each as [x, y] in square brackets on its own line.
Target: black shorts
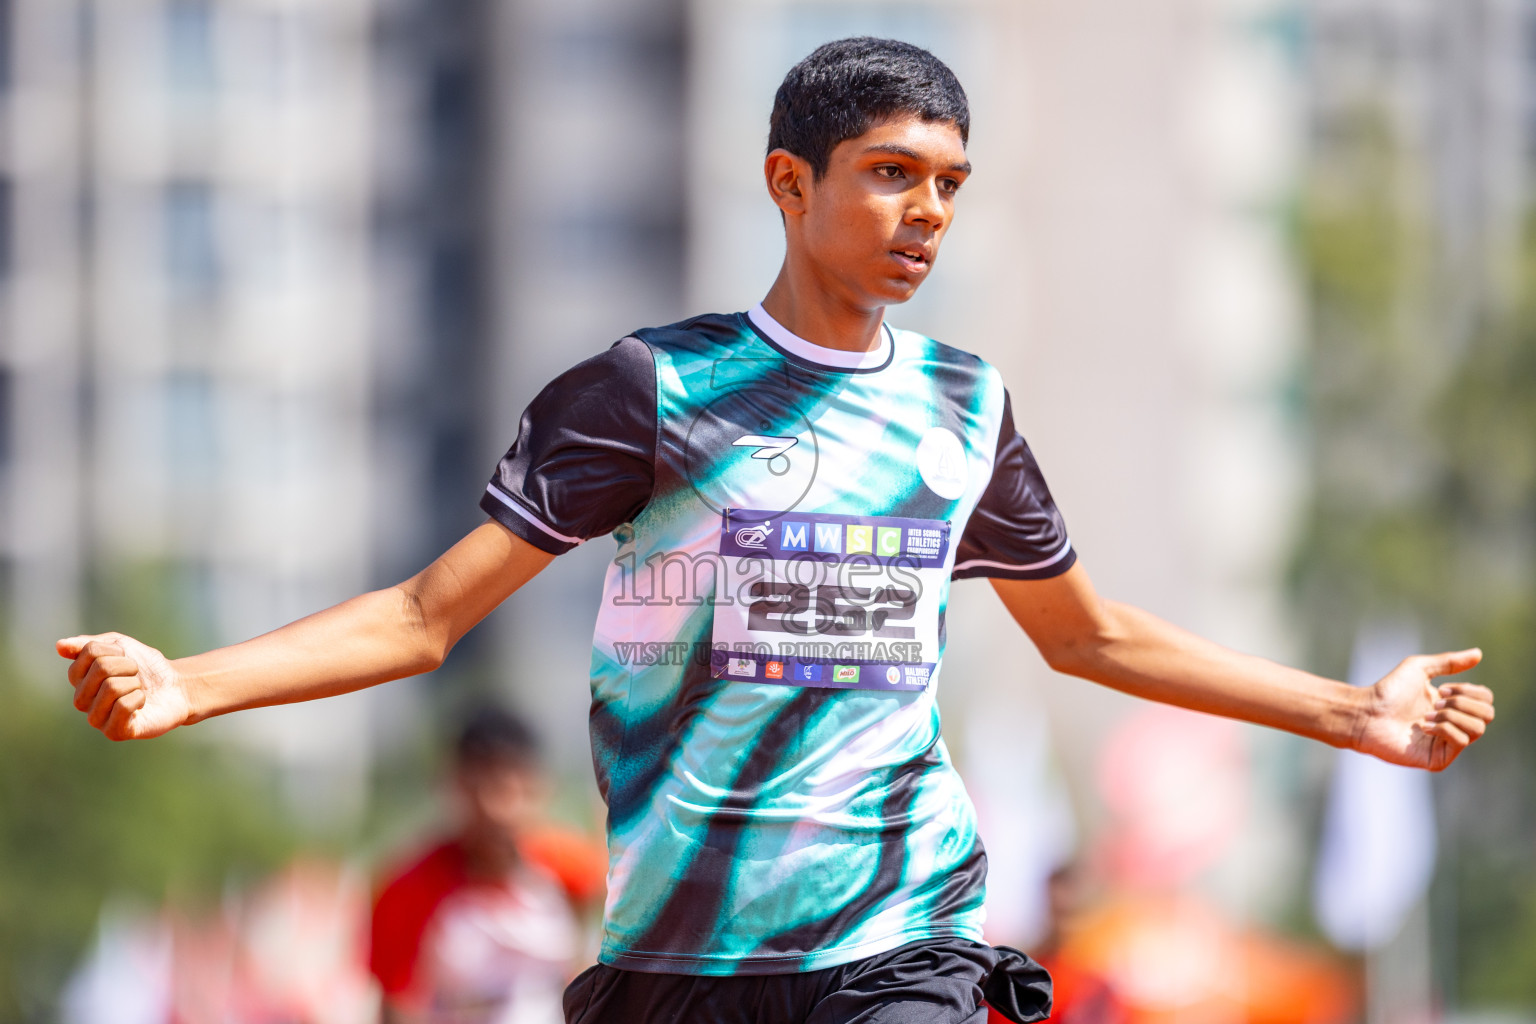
[942, 981]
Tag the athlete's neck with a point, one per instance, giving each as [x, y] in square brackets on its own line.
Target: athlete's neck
[820, 318]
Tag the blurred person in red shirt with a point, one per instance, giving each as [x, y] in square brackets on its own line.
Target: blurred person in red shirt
[486, 926]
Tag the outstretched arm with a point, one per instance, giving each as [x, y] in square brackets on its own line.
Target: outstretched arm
[1404, 718]
[131, 691]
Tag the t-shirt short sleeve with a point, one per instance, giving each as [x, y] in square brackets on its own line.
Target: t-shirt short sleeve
[584, 461]
[1016, 532]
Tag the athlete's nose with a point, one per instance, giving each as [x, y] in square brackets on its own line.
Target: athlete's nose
[927, 206]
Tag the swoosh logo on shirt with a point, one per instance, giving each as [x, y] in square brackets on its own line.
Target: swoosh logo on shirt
[767, 447]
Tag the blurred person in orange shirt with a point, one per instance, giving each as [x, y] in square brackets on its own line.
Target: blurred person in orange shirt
[486, 926]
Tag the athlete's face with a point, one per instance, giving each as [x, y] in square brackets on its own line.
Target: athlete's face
[870, 228]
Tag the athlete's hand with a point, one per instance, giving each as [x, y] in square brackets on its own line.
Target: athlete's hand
[1412, 721]
[127, 689]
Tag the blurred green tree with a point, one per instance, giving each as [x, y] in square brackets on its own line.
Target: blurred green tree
[83, 819]
[1421, 405]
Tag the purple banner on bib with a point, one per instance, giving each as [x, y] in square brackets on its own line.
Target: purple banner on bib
[827, 537]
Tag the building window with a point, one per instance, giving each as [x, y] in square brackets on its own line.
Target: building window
[7, 18]
[7, 226]
[5, 416]
[191, 426]
[189, 56]
[192, 262]
[273, 40]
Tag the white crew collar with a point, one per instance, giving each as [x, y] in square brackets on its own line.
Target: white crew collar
[820, 355]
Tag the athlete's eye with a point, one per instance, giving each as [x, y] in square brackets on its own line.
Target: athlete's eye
[888, 171]
[950, 185]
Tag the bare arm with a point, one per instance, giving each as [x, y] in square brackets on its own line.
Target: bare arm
[130, 691]
[1404, 718]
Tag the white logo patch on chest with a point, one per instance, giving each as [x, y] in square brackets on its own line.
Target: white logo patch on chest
[941, 462]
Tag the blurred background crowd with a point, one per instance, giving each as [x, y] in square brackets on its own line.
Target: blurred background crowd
[277, 278]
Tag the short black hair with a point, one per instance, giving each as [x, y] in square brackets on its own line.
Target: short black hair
[846, 87]
[490, 735]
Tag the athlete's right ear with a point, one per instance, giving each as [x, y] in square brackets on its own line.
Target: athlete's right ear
[786, 175]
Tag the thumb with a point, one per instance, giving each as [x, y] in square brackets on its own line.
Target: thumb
[1452, 662]
[71, 646]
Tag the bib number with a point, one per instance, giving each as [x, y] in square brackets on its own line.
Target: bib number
[850, 602]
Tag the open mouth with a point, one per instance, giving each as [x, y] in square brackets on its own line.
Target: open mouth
[912, 259]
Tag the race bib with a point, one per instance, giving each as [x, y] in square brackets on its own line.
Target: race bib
[849, 602]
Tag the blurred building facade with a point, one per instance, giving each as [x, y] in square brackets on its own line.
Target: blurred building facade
[278, 277]
[189, 301]
[189, 319]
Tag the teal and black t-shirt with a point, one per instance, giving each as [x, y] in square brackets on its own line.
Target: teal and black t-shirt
[764, 724]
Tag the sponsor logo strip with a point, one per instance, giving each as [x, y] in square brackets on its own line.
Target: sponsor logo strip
[907, 677]
[824, 536]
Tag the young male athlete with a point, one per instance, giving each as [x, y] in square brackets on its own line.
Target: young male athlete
[791, 491]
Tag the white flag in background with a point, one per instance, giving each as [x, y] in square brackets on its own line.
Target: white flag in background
[1378, 844]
